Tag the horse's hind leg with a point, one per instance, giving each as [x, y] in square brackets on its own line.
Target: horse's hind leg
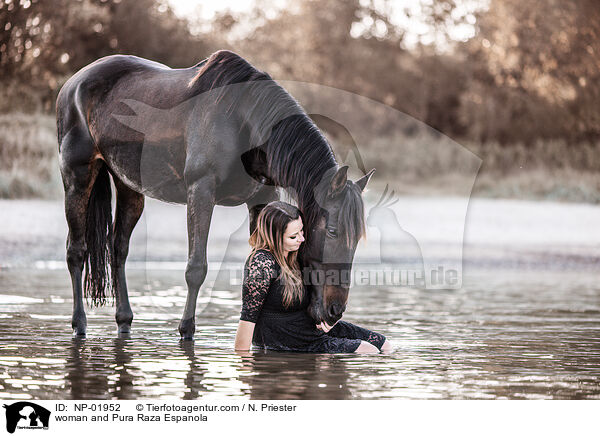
[75, 210]
[78, 180]
[130, 205]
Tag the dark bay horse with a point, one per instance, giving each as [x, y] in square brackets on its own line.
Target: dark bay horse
[218, 133]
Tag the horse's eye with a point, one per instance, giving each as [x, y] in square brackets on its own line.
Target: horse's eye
[331, 232]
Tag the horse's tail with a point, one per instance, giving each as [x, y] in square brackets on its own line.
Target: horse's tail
[98, 237]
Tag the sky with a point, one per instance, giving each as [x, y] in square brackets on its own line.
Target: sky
[416, 29]
[207, 9]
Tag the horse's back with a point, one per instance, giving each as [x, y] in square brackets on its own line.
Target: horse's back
[111, 68]
[103, 109]
[102, 75]
[142, 118]
[95, 80]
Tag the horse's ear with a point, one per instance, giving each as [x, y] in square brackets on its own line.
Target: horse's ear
[338, 182]
[362, 182]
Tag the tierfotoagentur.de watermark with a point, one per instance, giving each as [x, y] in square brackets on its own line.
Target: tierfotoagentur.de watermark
[366, 275]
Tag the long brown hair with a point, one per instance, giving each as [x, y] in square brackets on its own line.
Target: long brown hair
[268, 235]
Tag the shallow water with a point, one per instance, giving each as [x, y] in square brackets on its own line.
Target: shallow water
[528, 334]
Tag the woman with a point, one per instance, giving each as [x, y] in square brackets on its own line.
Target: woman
[274, 299]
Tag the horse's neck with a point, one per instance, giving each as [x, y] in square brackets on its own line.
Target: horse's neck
[305, 179]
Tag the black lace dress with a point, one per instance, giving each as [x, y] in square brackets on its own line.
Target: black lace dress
[291, 329]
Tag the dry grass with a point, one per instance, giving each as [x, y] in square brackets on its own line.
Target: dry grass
[549, 170]
[28, 157]
[566, 184]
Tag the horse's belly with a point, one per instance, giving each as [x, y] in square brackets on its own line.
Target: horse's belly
[237, 188]
[153, 171]
[156, 169]
[238, 198]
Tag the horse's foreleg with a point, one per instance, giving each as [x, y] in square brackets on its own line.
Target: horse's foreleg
[130, 205]
[200, 204]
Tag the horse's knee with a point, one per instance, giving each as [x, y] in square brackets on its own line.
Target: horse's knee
[120, 253]
[75, 256]
[195, 275]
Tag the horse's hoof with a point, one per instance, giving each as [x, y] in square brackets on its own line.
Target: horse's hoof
[124, 329]
[79, 323]
[79, 331]
[124, 318]
[187, 328]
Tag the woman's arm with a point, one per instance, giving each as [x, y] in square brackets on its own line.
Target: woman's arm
[257, 279]
[243, 337]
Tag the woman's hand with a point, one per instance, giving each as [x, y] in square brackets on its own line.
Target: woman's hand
[325, 327]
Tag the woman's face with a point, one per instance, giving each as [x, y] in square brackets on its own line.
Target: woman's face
[293, 235]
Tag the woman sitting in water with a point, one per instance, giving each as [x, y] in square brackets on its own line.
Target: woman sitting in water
[274, 300]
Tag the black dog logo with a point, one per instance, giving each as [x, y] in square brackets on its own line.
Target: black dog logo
[28, 415]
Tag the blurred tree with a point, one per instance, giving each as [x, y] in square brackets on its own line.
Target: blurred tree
[356, 46]
[536, 68]
[150, 29]
[42, 42]
[530, 72]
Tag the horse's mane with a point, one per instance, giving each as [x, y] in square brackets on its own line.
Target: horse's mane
[224, 68]
[298, 154]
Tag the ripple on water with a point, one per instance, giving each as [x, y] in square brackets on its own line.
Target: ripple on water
[495, 338]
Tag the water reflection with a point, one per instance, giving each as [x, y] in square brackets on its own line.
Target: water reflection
[195, 374]
[526, 336]
[86, 379]
[91, 375]
[94, 371]
[285, 376]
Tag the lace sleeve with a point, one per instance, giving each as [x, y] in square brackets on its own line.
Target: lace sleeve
[258, 274]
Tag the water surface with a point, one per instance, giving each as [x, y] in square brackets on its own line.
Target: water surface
[526, 334]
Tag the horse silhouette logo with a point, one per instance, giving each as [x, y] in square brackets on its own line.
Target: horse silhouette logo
[26, 415]
[405, 248]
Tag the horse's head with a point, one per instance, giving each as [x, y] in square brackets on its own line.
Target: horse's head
[331, 243]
